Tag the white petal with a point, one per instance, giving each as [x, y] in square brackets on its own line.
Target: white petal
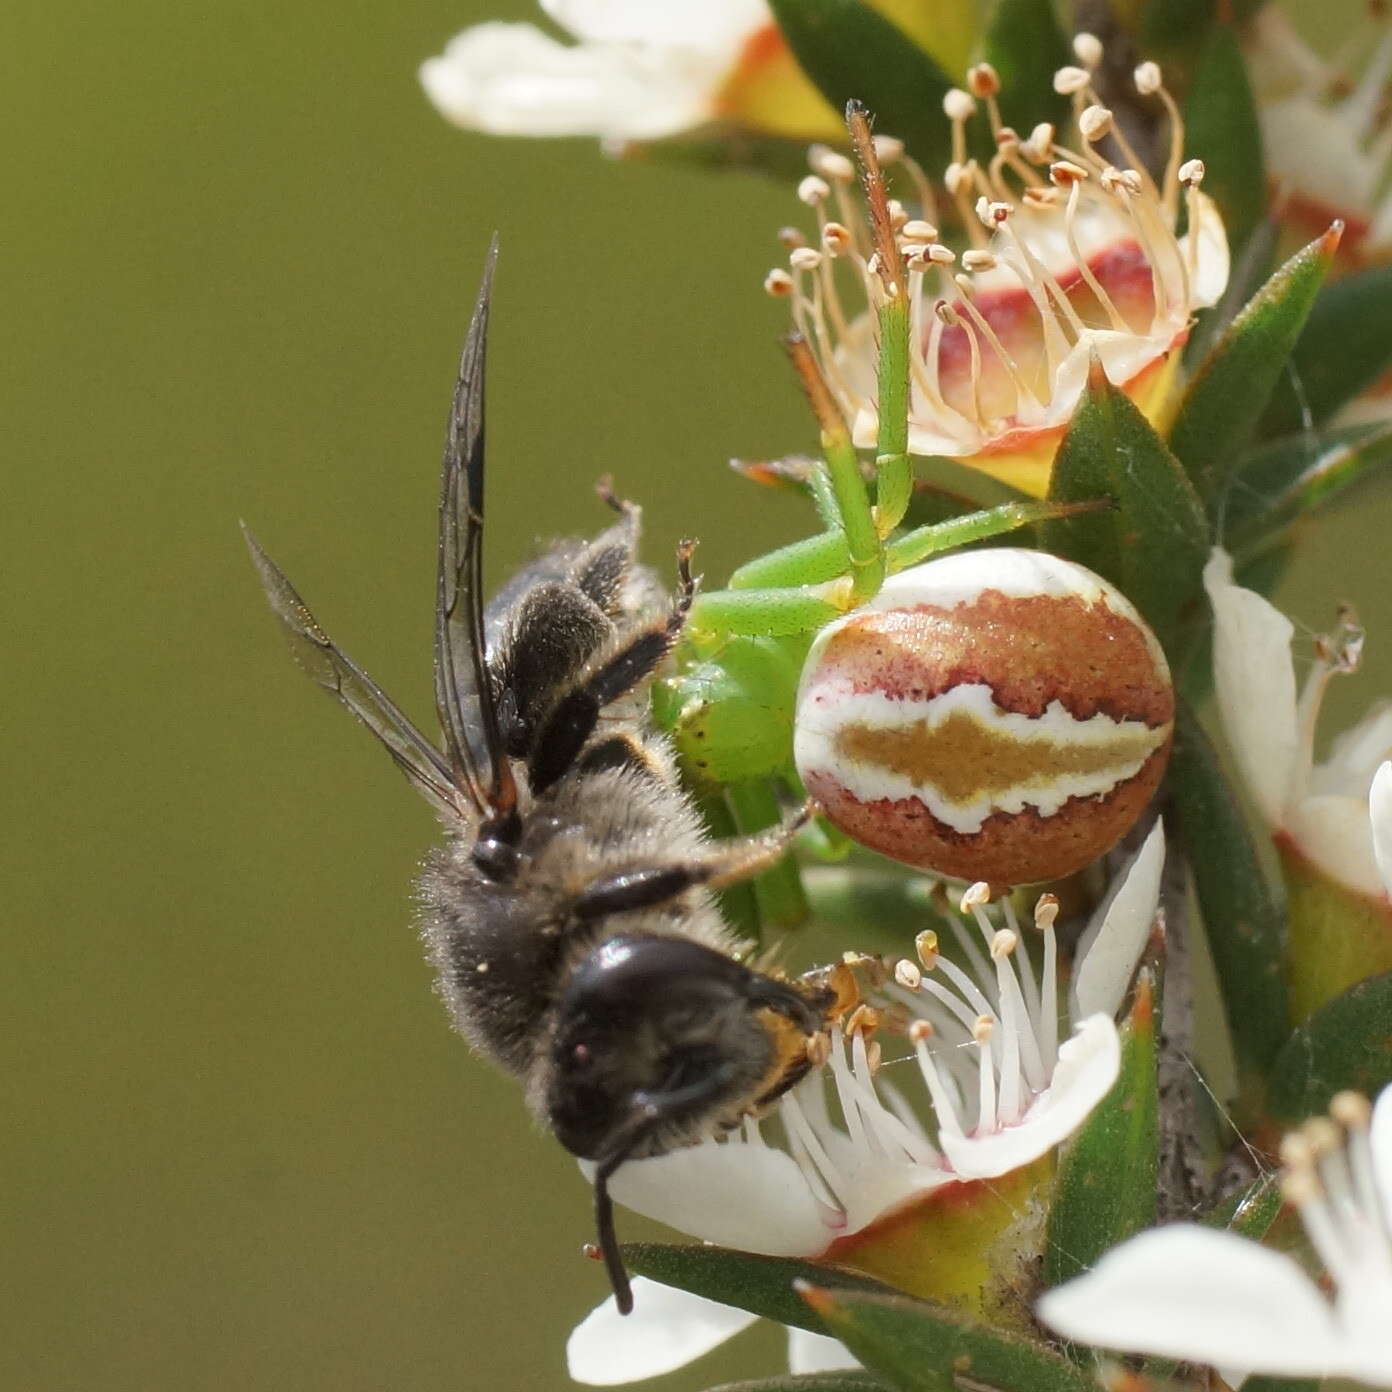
[1256, 686]
[1112, 943]
[1380, 815]
[511, 79]
[1355, 754]
[1335, 835]
[1087, 1067]
[1195, 1293]
[708, 24]
[1210, 278]
[667, 1329]
[747, 1196]
[1381, 1141]
[817, 1353]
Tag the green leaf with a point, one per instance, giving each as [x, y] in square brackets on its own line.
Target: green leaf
[1346, 1043]
[1233, 384]
[761, 1285]
[1251, 268]
[1289, 478]
[1345, 347]
[1106, 1186]
[809, 1382]
[1025, 45]
[1220, 126]
[1251, 1211]
[1154, 544]
[922, 1348]
[1243, 924]
[852, 53]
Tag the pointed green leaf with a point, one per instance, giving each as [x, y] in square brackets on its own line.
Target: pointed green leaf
[922, 1348]
[1251, 269]
[1289, 478]
[1234, 383]
[853, 53]
[1220, 127]
[1345, 347]
[1025, 45]
[1251, 1211]
[1242, 922]
[809, 1382]
[1154, 544]
[1346, 1043]
[761, 1285]
[1106, 1186]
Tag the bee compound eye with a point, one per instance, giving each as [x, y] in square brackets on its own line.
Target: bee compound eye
[495, 859]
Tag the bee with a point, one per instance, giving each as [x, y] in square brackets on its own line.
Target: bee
[570, 915]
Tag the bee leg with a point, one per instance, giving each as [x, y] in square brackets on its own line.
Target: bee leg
[572, 721]
[601, 570]
[725, 863]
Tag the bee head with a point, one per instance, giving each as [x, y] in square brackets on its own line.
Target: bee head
[656, 1039]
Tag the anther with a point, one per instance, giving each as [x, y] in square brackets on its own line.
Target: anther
[1296, 1153]
[958, 105]
[939, 254]
[818, 1049]
[1064, 173]
[831, 164]
[836, 238]
[1095, 123]
[898, 217]
[907, 974]
[1299, 1187]
[813, 190]
[975, 896]
[982, 1028]
[920, 1032]
[790, 237]
[1148, 78]
[1008, 139]
[1351, 1110]
[916, 230]
[978, 261]
[804, 258]
[1038, 148]
[889, 149]
[926, 945]
[1046, 911]
[1087, 49]
[954, 176]
[1191, 173]
[1323, 1136]
[983, 80]
[778, 283]
[1069, 80]
[1003, 943]
[874, 1055]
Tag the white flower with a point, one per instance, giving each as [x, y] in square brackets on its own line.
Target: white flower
[1071, 257]
[1336, 815]
[669, 1329]
[639, 71]
[1325, 131]
[1003, 1092]
[1209, 1296]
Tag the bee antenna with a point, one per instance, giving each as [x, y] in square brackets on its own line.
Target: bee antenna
[608, 1238]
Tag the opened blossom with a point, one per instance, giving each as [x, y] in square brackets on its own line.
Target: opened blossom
[1325, 130]
[850, 1161]
[1074, 254]
[1203, 1295]
[636, 70]
[1332, 821]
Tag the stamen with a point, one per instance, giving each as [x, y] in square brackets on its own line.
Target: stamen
[1022, 387]
[908, 975]
[944, 1108]
[1071, 177]
[1046, 911]
[1087, 49]
[987, 1119]
[845, 1093]
[778, 283]
[824, 1179]
[952, 319]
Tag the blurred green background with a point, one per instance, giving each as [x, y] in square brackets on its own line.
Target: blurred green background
[241, 1147]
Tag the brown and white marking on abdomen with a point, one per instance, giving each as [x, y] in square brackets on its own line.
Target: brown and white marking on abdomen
[998, 715]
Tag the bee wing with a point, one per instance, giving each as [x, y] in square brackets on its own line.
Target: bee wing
[463, 693]
[351, 687]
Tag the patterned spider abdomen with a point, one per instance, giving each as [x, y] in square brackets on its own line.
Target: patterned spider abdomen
[997, 715]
